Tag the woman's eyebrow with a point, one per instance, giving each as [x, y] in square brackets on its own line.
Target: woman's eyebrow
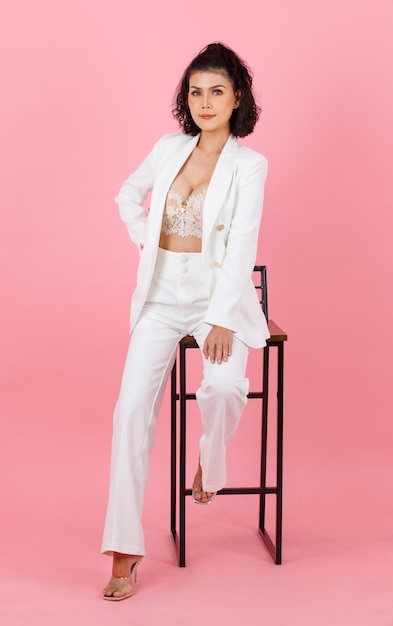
[213, 87]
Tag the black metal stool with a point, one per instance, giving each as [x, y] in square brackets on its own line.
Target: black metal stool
[277, 339]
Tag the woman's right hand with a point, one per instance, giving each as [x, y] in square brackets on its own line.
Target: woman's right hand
[218, 344]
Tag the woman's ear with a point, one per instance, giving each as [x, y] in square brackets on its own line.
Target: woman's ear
[238, 94]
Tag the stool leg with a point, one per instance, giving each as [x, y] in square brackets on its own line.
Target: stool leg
[280, 414]
[265, 399]
[182, 461]
[173, 451]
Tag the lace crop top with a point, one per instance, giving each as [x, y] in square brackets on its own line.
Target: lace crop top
[182, 215]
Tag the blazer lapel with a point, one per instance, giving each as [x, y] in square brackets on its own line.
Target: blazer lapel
[216, 192]
[170, 169]
[218, 187]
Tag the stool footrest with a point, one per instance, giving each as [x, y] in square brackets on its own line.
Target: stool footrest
[233, 491]
[258, 395]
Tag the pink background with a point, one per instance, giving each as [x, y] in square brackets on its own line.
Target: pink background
[87, 88]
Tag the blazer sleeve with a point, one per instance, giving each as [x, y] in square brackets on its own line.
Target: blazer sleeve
[134, 190]
[234, 275]
[131, 196]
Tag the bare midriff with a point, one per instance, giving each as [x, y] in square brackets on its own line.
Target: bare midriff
[174, 243]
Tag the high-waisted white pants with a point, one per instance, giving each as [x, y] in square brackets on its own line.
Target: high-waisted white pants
[176, 307]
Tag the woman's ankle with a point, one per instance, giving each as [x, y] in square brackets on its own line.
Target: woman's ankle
[122, 564]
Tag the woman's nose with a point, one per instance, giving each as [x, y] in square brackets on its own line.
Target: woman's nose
[206, 102]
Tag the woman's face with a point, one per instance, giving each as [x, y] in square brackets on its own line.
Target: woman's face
[211, 100]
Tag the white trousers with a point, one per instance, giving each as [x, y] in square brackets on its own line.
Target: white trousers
[175, 307]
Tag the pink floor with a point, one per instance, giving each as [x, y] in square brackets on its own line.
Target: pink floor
[337, 552]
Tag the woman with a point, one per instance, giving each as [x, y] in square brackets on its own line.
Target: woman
[198, 245]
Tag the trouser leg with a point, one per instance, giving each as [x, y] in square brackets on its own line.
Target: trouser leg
[149, 361]
[221, 398]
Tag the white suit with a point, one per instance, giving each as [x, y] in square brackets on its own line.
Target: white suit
[217, 289]
[233, 201]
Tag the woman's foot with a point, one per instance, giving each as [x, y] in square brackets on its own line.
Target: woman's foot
[199, 496]
[123, 578]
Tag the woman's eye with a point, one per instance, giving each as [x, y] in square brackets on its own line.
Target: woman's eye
[217, 92]
[195, 93]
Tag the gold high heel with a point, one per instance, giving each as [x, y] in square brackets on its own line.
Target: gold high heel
[123, 584]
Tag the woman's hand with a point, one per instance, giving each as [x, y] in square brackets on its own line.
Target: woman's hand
[218, 344]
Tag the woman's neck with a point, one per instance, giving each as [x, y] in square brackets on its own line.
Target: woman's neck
[213, 142]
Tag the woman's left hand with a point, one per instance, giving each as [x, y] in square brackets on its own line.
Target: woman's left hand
[218, 344]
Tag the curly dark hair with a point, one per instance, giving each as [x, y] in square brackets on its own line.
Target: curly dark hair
[216, 56]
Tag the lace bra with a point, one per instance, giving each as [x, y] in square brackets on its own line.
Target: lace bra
[183, 215]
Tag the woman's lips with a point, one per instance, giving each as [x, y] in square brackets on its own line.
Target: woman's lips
[207, 117]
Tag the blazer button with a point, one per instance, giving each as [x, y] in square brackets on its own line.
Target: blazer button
[220, 227]
[217, 264]
[141, 246]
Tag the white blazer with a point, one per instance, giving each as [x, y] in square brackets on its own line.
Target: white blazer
[231, 217]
